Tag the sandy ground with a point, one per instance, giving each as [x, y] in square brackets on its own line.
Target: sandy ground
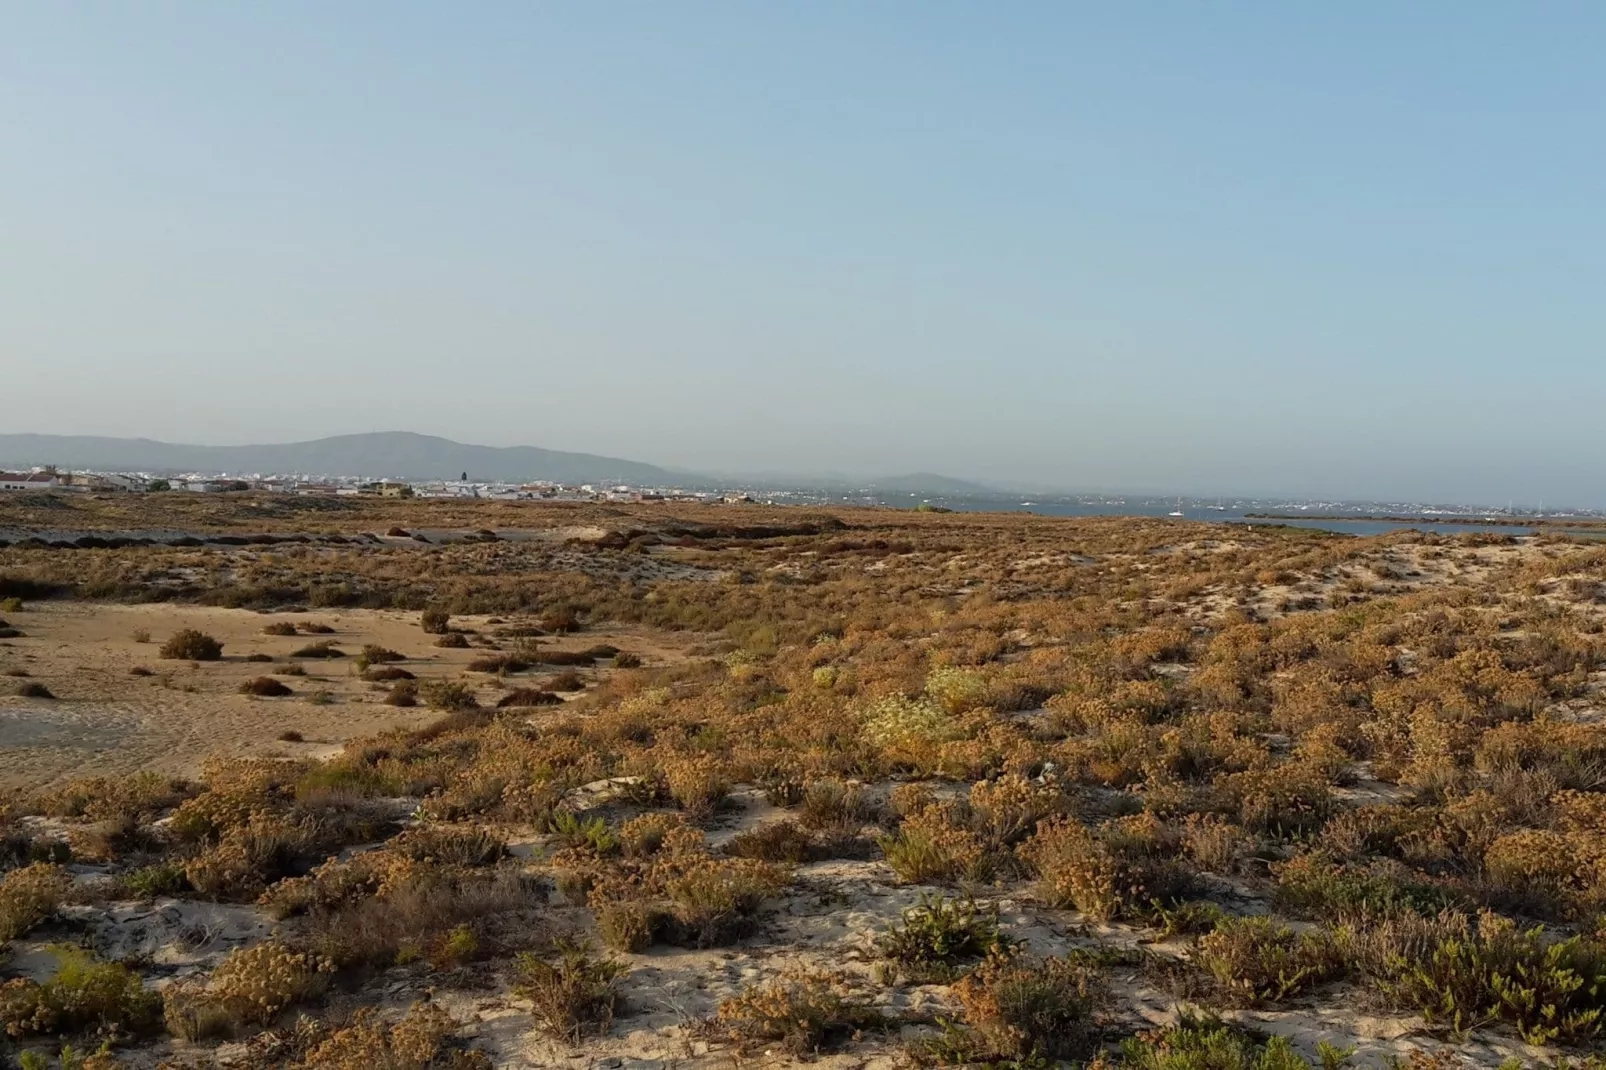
[106, 720]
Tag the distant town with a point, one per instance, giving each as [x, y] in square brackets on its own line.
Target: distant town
[52, 479]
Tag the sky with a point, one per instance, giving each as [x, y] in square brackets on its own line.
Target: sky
[1331, 250]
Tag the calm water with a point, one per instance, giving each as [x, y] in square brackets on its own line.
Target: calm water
[1229, 514]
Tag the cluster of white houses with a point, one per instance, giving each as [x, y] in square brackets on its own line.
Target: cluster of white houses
[101, 482]
[50, 479]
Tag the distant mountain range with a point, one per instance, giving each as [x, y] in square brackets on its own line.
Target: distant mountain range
[386, 454]
[404, 455]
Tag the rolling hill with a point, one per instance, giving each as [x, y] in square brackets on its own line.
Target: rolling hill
[388, 454]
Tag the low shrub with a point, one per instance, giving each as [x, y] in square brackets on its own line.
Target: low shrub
[280, 627]
[938, 937]
[386, 674]
[34, 689]
[698, 783]
[714, 902]
[930, 847]
[528, 696]
[1121, 869]
[249, 987]
[1207, 1043]
[373, 654]
[82, 995]
[498, 663]
[435, 621]
[572, 995]
[30, 896]
[449, 695]
[191, 645]
[1548, 990]
[404, 694]
[777, 841]
[1256, 961]
[265, 687]
[568, 680]
[802, 1010]
[422, 1040]
[1030, 1010]
[150, 882]
[453, 641]
[836, 804]
[312, 627]
[580, 833]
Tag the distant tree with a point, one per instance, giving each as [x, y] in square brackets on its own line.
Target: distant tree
[465, 478]
[158, 485]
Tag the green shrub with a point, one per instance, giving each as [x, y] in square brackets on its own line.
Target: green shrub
[82, 995]
[149, 882]
[1547, 990]
[936, 937]
[589, 834]
[1196, 1043]
[1256, 961]
[191, 645]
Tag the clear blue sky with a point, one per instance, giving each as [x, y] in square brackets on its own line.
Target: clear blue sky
[1326, 249]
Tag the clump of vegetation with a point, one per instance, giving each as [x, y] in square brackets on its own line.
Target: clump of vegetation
[528, 696]
[449, 695]
[1256, 961]
[1123, 867]
[191, 645]
[312, 627]
[802, 1010]
[572, 994]
[387, 674]
[31, 895]
[404, 694]
[82, 995]
[373, 654]
[938, 938]
[1549, 990]
[1203, 1043]
[453, 641]
[34, 689]
[435, 622]
[265, 687]
[280, 627]
[777, 841]
[1021, 1009]
[251, 986]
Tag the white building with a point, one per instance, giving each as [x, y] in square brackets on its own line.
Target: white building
[27, 480]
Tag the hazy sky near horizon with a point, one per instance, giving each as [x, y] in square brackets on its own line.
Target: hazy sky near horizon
[1340, 249]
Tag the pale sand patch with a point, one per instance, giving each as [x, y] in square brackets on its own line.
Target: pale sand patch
[104, 720]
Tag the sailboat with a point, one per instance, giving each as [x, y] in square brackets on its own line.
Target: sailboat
[1178, 510]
